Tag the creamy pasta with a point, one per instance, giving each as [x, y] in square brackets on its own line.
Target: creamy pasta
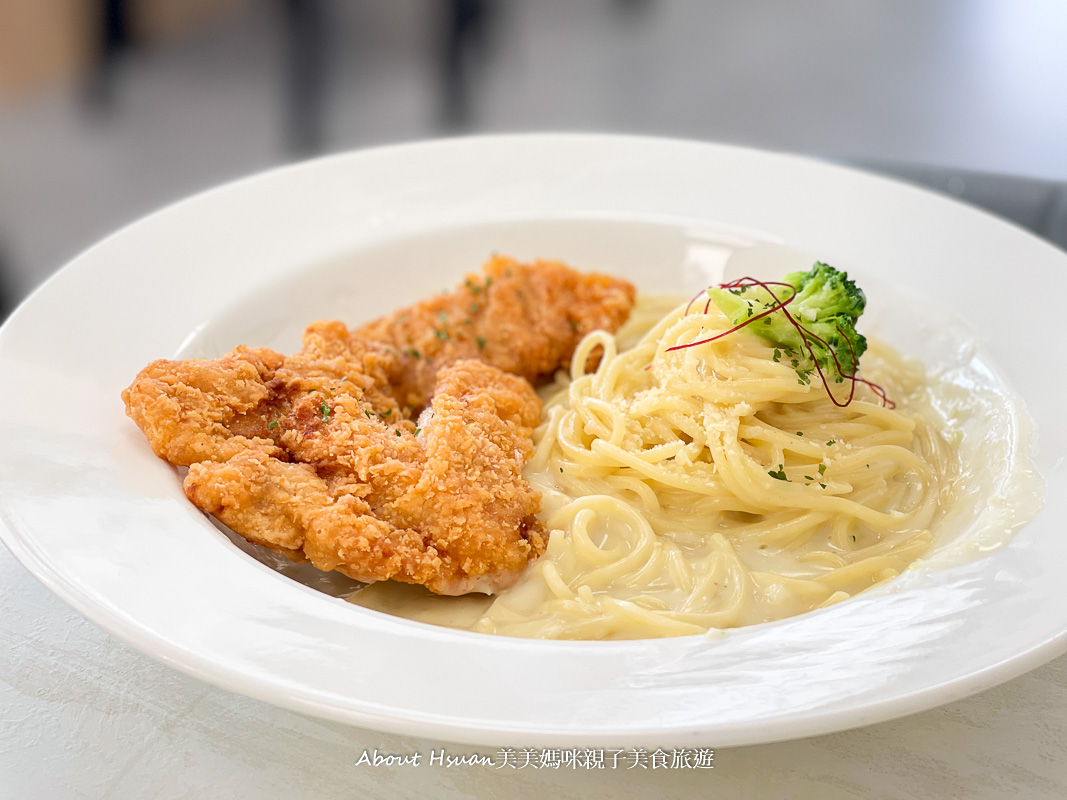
[709, 488]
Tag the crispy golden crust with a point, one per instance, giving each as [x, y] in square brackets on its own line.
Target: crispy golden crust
[446, 508]
[525, 319]
[209, 410]
[308, 456]
[200, 410]
[316, 454]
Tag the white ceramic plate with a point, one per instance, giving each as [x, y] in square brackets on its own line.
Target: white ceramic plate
[104, 524]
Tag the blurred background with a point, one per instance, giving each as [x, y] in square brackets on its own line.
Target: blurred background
[112, 108]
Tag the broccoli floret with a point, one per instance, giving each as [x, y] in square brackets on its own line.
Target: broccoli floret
[826, 306]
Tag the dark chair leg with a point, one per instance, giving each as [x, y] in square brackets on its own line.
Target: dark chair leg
[466, 35]
[305, 75]
[114, 35]
[7, 301]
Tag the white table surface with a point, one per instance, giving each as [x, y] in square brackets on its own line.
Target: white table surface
[84, 716]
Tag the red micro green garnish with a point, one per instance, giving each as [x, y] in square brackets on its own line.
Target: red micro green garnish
[806, 336]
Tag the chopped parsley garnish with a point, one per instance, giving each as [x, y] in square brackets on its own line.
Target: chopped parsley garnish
[418, 431]
[325, 410]
[481, 343]
[822, 469]
[272, 424]
[831, 442]
[780, 474]
[398, 432]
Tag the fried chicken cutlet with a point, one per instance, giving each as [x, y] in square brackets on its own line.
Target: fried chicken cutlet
[316, 455]
[209, 410]
[525, 319]
[445, 506]
[304, 454]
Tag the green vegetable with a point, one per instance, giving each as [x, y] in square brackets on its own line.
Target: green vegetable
[825, 307]
[780, 474]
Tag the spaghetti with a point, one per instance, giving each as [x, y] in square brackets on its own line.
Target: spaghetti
[698, 487]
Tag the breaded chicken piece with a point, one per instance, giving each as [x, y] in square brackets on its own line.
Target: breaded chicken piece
[525, 319]
[316, 455]
[205, 410]
[209, 410]
[445, 506]
[308, 456]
